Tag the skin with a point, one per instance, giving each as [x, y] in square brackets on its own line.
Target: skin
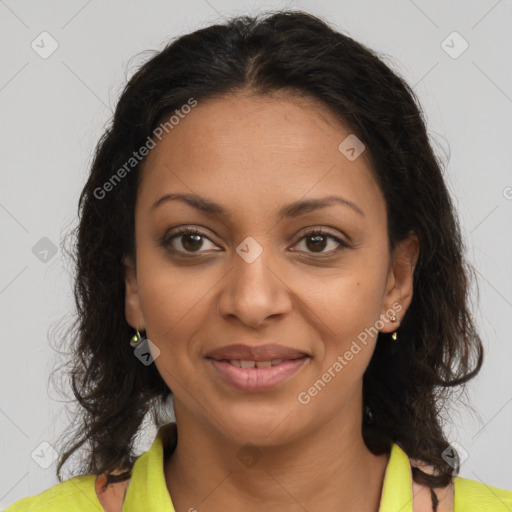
[253, 155]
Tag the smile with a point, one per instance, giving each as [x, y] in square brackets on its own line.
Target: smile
[253, 376]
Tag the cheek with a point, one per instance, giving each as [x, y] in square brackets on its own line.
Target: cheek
[173, 303]
[175, 308]
[348, 299]
[168, 293]
[346, 311]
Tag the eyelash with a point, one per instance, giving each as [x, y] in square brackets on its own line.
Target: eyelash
[166, 241]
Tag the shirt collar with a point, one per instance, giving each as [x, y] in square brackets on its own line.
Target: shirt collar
[148, 488]
[397, 488]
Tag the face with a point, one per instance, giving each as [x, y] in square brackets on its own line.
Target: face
[252, 276]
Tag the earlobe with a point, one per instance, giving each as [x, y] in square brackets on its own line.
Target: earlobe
[399, 290]
[133, 308]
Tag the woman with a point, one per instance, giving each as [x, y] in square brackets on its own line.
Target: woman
[266, 238]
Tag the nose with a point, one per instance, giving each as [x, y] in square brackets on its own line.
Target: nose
[254, 288]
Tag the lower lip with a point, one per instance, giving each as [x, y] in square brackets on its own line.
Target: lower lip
[257, 379]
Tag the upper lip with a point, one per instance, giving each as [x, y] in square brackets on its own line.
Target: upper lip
[259, 353]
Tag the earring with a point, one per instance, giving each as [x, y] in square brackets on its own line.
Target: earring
[394, 336]
[136, 340]
[368, 416]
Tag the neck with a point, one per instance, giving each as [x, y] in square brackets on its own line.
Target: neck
[324, 469]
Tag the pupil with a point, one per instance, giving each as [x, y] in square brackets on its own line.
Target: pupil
[192, 246]
[319, 242]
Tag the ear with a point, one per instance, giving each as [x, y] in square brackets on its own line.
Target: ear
[399, 287]
[132, 304]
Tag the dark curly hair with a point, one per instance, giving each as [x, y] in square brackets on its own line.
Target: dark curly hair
[404, 388]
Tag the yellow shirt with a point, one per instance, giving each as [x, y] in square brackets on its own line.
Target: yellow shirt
[147, 490]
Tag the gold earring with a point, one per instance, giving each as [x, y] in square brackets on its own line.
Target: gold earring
[137, 339]
[394, 336]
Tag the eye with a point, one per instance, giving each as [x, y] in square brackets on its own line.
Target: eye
[188, 238]
[191, 241]
[316, 240]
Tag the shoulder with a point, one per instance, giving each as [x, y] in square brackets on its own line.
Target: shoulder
[471, 495]
[77, 493]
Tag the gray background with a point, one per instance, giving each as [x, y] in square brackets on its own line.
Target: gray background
[53, 111]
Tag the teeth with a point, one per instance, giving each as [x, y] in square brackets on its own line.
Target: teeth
[253, 364]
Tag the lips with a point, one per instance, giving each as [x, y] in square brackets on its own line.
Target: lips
[246, 353]
[257, 379]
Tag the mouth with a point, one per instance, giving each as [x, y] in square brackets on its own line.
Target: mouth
[253, 376]
[257, 353]
[240, 363]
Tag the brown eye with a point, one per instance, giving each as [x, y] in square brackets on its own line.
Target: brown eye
[190, 240]
[317, 241]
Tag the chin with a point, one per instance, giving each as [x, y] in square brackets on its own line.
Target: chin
[259, 426]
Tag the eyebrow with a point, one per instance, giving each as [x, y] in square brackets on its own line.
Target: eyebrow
[291, 210]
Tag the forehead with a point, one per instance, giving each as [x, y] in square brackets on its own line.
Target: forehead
[244, 146]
